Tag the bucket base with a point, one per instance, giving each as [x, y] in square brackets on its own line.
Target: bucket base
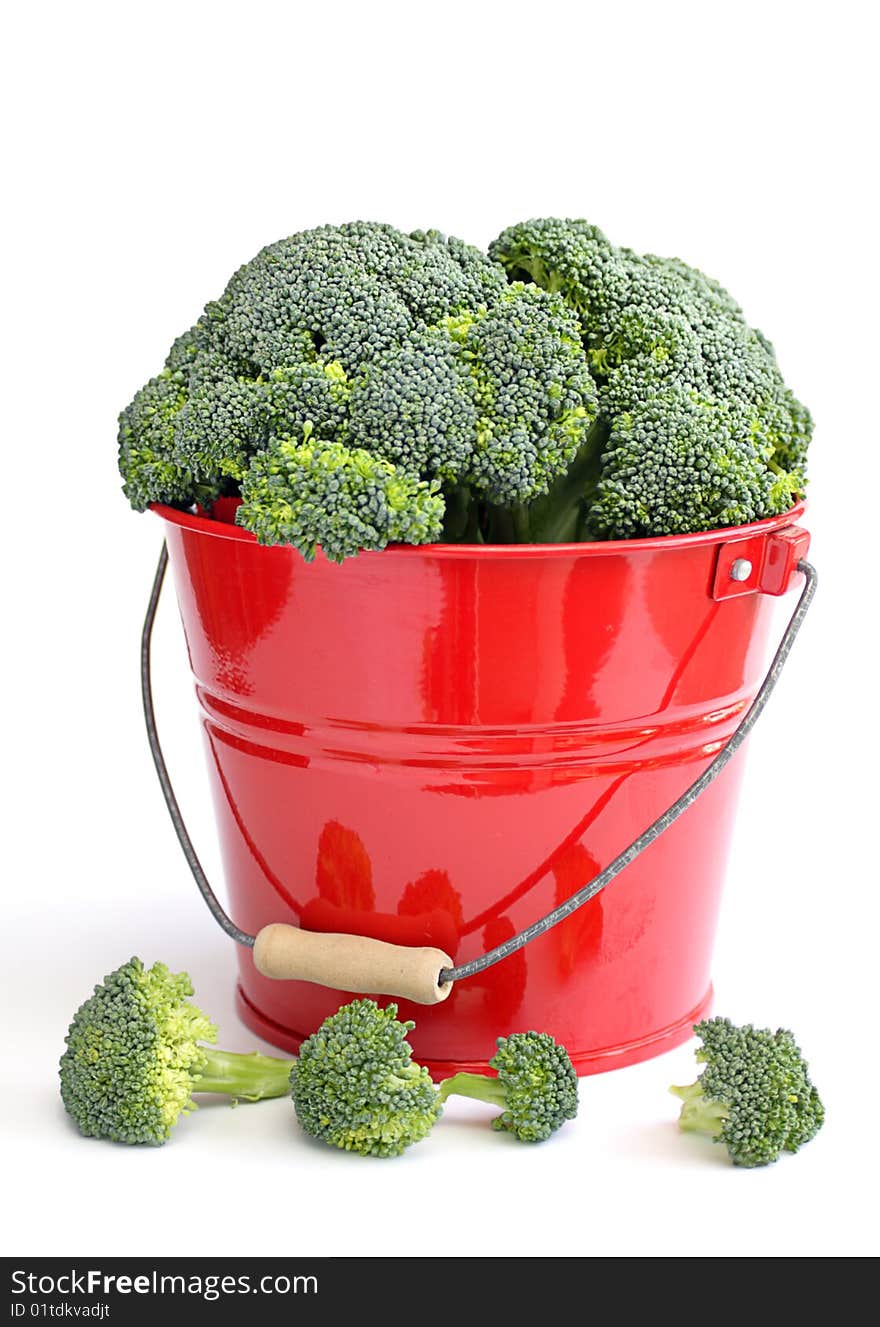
[585, 1062]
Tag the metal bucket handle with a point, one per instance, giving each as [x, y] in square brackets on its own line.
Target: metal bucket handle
[745, 565]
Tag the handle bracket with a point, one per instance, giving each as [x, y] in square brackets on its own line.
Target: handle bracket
[759, 564]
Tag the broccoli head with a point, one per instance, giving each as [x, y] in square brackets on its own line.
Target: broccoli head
[152, 469]
[355, 1084]
[313, 493]
[712, 476]
[135, 1055]
[535, 1085]
[534, 397]
[356, 386]
[410, 350]
[755, 1094]
[701, 428]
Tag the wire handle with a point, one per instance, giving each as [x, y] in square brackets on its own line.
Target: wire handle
[357, 963]
[215, 907]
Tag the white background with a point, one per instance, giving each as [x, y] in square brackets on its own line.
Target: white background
[150, 150]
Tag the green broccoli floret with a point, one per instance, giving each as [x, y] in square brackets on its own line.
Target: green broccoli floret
[153, 470]
[498, 398]
[279, 346]
[712, 476]
[531, 388]
[414, 406]
[135, 1056]
[684, 384]
[754, 1095]
[559, 389]
[354, 289]
[316, 392]
[356, 1086]
[535, 1086]
[222, 421]
[312, 493]
[411, 349]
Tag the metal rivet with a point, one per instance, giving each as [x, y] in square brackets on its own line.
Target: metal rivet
[740, 569]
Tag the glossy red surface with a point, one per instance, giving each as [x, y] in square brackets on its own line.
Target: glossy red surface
[437, 745]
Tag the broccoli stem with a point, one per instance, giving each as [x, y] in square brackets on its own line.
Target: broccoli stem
[557, 517]
[698, 1114]
[461, 524]
[506, 525]
[250, 1077]
[522, 525]
[458, 513]
[482, 1087]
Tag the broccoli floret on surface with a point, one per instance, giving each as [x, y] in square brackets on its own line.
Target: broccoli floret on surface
[755, 1094]
[355, 1084]
[535, 1085]
[135, 1056]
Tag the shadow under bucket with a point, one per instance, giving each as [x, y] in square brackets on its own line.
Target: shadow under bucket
[438, 745]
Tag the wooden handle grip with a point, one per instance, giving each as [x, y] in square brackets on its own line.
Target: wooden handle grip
[351, 963]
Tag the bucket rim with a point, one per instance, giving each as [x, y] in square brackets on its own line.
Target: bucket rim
[200, 524]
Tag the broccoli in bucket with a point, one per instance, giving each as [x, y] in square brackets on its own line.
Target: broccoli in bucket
[355, 386]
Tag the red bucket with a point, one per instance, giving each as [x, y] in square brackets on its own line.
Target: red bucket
[437, 745]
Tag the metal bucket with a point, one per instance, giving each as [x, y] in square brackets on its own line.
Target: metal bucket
[437, 745]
